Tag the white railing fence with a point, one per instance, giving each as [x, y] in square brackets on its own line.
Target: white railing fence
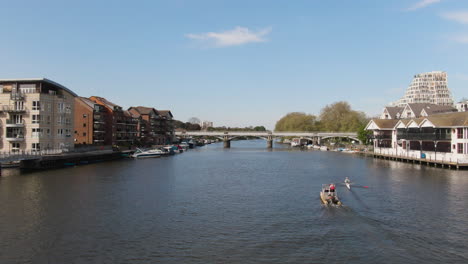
[30, 153]
[428, 155]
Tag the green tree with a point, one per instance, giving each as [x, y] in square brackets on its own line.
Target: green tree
[259, 128]
[297, 121]
[339, 117]
[364, 135]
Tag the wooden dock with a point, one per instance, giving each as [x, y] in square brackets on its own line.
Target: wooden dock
[422, 161]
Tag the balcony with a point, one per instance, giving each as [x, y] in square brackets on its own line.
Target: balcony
[382, 137]
[14, 123]
[14, 137]
[424, 136]
[98, 119]
[13, 109]
[17, 96]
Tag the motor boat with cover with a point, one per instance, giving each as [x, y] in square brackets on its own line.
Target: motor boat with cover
[328, 195]
[151, 153]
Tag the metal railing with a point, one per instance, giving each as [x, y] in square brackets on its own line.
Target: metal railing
[16, 96]
[424, 136]
[431, 156]
[30, 154]
[15, 122]
[12, 108]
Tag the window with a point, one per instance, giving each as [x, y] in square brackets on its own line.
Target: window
[84, 134]
[17, 119]
[84, 124]
[460, 148]
[36, 105]
[48, 133]
[15, 147]
[59, 120]
[36, 132]
[36, 146]
[67, 132]
[48, 119]
[19, 105]
[459, 132]
[60, 107]
[60, 132]
[36, 119]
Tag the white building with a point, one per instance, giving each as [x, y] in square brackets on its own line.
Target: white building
[462, 106]
[35, 114]
[429, 87]
[206, 124]
[439, 137]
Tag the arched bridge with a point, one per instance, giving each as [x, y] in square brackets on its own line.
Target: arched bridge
[316, 137]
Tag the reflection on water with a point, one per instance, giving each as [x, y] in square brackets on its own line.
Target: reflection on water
[246, 204]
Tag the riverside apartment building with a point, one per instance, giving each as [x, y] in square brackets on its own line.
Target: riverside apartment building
[35, 114]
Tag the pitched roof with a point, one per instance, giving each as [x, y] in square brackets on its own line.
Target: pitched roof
[458, 119]
[393, 110]
[384, 123]
[166, 113]
[417, 107]
[106, 102]
[435, 109]
[130, 114]
[86, 101]
[144, 110]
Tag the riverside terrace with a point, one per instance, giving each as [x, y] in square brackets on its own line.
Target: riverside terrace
[440, 139]
[316, 137]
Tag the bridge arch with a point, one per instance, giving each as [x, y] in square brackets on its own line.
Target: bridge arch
[339, 136]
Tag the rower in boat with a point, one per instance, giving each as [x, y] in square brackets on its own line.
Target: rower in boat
[347, 183]
[328, 195]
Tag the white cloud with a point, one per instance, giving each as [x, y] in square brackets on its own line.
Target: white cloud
[422, 4]
[234, 37]
[457, 16]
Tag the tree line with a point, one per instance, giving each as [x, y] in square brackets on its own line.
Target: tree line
[337, 117]
[191, 125]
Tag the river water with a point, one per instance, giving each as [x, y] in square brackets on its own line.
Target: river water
[246, 204]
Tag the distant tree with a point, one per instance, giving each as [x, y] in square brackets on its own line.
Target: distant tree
[194, 120]
[259, 128]
[339, 117]
[192, 127]
[297, 121]
[179, 124]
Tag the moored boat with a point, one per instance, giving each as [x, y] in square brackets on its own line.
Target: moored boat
[151, 153]
[184, 145]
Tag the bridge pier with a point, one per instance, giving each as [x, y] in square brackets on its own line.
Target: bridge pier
[227, 142]
[269, 142]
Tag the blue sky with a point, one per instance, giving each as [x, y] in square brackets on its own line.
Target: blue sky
[237, 63]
